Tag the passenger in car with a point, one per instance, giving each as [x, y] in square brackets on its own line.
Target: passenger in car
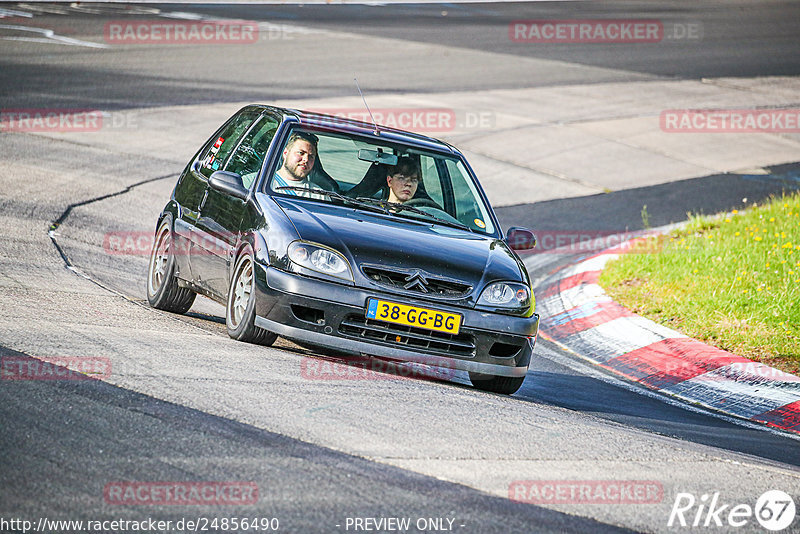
[403, 180]
[298, 161]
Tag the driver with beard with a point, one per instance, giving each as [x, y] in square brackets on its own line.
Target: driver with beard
[298, 161]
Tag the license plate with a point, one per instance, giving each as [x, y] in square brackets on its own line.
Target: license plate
[393, 312]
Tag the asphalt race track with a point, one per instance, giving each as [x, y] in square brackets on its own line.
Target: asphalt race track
[185, 404]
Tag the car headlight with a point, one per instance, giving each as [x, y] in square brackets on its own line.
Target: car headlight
[320, 259]
[511, 295]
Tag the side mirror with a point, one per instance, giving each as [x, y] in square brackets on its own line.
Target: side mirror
[520, 238]
[229, 183]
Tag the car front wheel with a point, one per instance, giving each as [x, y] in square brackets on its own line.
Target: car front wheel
[240, 311]
[496, 384]
[163, 291]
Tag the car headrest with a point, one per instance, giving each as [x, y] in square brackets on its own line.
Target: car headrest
[321, 178]
[372, 182]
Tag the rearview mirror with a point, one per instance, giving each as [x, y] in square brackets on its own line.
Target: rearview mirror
[520, 238]
[377, 156]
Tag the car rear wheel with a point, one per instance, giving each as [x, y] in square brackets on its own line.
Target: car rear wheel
[496, 384]
[163, 291]
[240, 312]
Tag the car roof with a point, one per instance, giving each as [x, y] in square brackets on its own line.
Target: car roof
[342, 124]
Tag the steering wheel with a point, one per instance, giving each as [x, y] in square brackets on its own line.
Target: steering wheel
[424, 202]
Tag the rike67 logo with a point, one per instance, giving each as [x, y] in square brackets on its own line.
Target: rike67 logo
[774, 510]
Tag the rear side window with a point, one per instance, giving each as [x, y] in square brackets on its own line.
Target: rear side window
[215, 155]
[249, 155]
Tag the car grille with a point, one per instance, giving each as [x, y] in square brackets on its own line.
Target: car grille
[407, 336]
[416, 281]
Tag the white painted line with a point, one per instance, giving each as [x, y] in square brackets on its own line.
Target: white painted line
[262, 25]
[182, 15]
[37, 7]
[13, 13]
[49, 36]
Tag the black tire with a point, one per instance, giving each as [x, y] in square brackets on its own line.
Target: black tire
[163, 291]
[240, 310]
[505, 385]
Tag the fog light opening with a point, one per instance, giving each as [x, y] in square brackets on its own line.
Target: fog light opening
[504, 350]
[309, 315]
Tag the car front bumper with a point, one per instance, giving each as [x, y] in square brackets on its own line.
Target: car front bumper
[334, 315]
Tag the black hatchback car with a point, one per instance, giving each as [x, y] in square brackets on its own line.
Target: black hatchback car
[343, 234]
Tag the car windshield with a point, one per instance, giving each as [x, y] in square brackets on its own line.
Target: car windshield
[396, 179]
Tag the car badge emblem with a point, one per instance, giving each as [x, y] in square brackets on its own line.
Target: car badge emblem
[416, 280]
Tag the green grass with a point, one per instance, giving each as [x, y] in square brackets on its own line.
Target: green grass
[732, 281]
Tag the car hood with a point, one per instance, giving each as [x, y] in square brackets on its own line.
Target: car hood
[369, 238]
